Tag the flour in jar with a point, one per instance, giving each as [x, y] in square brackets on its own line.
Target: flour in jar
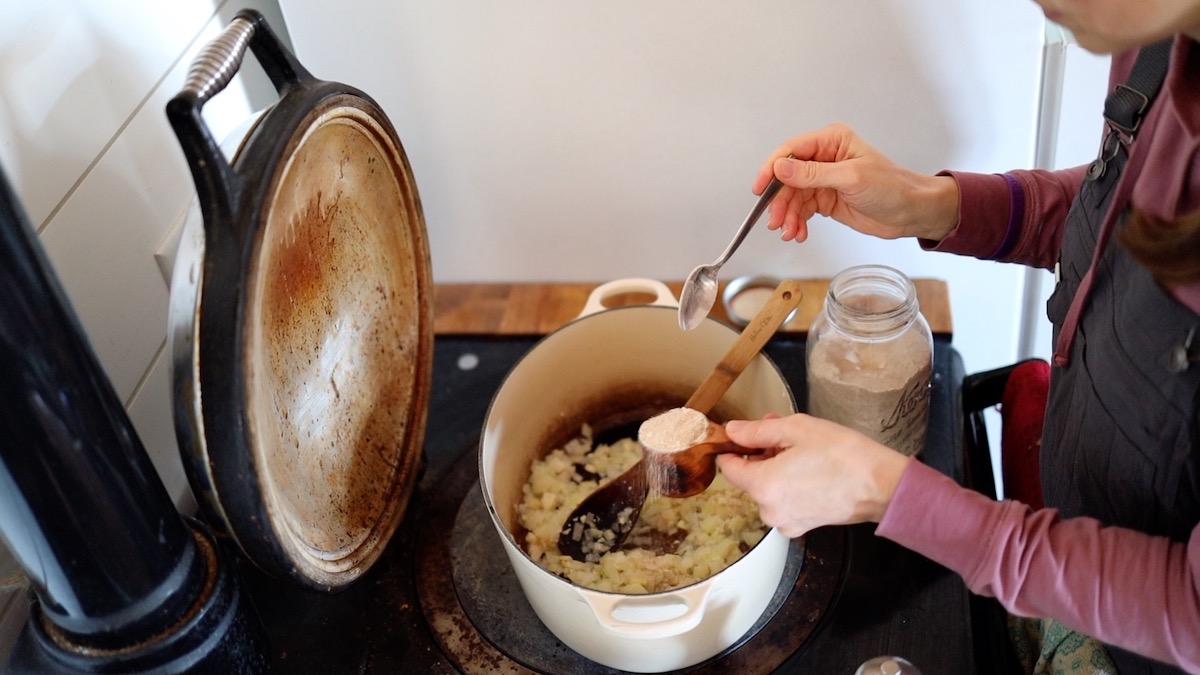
[880, 388]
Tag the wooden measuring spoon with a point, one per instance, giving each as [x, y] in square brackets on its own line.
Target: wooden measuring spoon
[604, 518]
[688, 470]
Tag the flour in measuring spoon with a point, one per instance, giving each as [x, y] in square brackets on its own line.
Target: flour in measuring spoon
[673, 431]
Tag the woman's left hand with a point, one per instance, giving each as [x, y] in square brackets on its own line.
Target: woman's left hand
[816, 472]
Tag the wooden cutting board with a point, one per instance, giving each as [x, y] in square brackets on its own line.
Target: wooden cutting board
[539, 308]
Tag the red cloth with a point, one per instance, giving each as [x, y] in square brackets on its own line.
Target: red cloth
[1022, 410]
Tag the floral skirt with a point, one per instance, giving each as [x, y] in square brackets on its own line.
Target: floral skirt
[1046, 647]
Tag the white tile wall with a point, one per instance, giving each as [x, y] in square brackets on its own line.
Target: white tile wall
[85, 141]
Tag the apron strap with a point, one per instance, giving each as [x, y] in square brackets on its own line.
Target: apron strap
[1127, 104]
[1124, 109]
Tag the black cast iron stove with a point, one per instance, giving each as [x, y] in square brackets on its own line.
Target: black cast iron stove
[443, 599]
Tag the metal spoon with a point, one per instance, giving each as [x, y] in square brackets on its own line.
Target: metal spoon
[700, 287]
[604, 519]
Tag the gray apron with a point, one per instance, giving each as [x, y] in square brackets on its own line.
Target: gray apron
[1120, 442]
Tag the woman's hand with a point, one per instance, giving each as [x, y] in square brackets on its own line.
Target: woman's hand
[834, 173]
[816, 473]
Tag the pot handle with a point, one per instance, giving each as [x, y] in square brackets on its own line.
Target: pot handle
[608, 608]
[595, 302]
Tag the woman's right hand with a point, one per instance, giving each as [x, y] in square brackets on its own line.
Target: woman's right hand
[834, 173]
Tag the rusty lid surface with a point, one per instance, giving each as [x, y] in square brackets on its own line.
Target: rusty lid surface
[337, 341]
[301, 321]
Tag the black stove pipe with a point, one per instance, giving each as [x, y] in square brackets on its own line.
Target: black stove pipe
[121, 581]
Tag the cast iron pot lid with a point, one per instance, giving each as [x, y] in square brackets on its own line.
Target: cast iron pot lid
[301, 320]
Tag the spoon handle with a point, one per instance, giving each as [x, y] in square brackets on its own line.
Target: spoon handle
[759, 207]
[754, 336]
[716, 442]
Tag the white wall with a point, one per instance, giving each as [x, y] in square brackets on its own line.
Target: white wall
[85, 142]
[594, 140]
[1081, 91]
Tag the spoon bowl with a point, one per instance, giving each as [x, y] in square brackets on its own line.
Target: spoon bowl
[604, 519]
[698, 295]
[700, 288]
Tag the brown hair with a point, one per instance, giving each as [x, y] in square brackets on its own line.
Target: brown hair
[1169, 249]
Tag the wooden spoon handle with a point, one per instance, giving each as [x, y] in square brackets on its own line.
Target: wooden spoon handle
[754, 336]
[717, 442]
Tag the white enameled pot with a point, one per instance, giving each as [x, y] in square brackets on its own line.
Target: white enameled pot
[607, 368]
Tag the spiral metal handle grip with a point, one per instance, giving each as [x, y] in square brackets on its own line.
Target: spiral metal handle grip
[219, 61]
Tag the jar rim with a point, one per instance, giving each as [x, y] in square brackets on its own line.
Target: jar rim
[877, 281]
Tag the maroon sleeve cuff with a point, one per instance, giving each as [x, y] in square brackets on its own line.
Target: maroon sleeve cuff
[985, 211]
[1016, 210]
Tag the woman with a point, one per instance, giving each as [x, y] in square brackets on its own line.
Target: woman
[1116, 555]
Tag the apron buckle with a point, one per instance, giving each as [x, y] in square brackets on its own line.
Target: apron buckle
[1114, 140]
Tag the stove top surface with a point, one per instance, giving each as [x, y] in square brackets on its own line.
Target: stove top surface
[479, 617]
[847, 595]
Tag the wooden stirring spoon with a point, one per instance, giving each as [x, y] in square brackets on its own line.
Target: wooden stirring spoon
[605, 518]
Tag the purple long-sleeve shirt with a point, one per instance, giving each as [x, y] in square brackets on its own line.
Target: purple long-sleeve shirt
[1119, 585]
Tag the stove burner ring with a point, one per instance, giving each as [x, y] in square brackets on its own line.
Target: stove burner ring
[481, 619]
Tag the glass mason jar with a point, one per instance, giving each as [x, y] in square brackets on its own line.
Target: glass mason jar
[870, 358]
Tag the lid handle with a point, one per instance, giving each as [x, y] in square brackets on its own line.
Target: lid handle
[219, 61]
[210, 72]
